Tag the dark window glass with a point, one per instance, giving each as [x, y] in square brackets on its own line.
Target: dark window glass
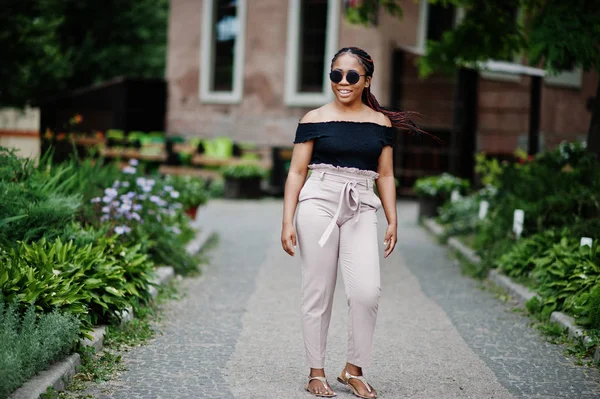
[439, 20]
[225, 31]
[313, 32]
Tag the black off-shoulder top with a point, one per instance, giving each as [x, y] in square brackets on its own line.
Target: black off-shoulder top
[346, 143]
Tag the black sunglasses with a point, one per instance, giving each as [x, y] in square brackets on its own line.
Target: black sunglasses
[352, 76]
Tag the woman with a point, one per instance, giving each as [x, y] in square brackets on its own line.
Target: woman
[348, 146]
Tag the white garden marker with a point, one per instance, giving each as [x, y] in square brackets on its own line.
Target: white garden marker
[518, 219]
[455, 196]
[483, 209]
[586, 241]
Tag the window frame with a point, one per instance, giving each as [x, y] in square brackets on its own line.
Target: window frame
[292, 97]
[206, 95]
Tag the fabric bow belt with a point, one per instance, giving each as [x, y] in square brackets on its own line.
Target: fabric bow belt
[348, 208]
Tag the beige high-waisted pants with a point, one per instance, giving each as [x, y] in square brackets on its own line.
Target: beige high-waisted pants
[336, 222]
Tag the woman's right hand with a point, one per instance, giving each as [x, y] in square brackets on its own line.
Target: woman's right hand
[288, 238]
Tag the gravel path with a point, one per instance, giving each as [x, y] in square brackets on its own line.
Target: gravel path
[236, 334]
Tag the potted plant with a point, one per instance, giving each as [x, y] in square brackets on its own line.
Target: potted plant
[243, 180]
[192, 192]
[433, 191]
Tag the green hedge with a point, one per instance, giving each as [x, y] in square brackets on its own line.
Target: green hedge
[81, 238]
[30, 343]
[559, 191]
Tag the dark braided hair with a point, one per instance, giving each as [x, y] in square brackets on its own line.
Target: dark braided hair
[399, 119]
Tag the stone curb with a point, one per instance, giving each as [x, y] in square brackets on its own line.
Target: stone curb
[465, 251]
[56, 376]
[435, 228]
[60, 372]
[521, 293]
[200, 241]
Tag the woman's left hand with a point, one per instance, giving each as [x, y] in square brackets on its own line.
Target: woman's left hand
[391, 237]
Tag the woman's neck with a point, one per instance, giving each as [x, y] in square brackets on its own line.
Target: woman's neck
[356, 106]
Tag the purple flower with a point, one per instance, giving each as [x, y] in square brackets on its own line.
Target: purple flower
[140, 181]
[116, 184]
[168, 188]
[174, 194]
[137, 207]
[122, 229]
[146, 189]
[95, 200]
[129, 170]
[155, 199]
[111, 192]
[105, 209]
[176, 230]
[136, 216]
[133, 162]
[125, 184]
[104, 218]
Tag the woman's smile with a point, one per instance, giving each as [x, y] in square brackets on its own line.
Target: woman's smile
[345, 92]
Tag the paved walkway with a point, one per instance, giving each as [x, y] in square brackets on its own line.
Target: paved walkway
[237, 332]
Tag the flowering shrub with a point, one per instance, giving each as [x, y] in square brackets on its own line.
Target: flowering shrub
[147, 210]
[442, 185]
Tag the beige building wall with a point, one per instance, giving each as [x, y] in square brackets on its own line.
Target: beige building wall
[19, 129]
[263, 117]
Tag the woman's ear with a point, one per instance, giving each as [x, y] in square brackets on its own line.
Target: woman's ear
[367, 81]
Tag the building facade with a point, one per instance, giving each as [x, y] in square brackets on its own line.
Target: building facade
[250, 69]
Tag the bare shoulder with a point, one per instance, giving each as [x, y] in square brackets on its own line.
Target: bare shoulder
[380, 118]
[315, 115]
[384, 120]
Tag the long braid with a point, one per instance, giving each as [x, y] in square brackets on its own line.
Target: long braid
[399, 119]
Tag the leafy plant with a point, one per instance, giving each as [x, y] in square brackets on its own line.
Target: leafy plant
[30, 343]
[192, 190]
[94, 282]
[519, 261]
[244, 171]
[489, 169]
[566, 274]
[441, 185]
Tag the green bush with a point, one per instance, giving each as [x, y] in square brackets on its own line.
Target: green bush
[442, 185]
[193, 191]
[565, 275]
[148, 211]
[93, 282]
[519, 261]
[556, 189]
[40, 214]
[244, 171]
[29, 344]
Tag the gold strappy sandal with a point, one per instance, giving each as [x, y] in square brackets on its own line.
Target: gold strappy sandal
[325, 384]
[345, 377]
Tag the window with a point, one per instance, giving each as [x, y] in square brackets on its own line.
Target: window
[313, 34]
[434, 20]
[222, 52]
[439, 20]
[312, 41]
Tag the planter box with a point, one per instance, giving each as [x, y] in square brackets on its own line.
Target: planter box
[242, 188]
[428, 206]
